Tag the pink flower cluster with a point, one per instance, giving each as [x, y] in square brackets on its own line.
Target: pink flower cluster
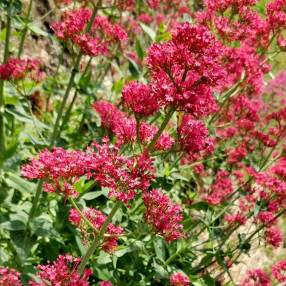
[63, 272]
[256, 277]
[193, 136]
[92, 38]
[9, 277]
[61, 169]
[105, 283]
[179, 279]
[220, 190]
[164, 215]
[97, 219]
[122, 175]
[125, 127]
[278, 271]
[139, 98]
[186, 70]
[18, 69]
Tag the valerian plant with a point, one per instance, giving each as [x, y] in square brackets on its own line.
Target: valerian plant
[141, 142]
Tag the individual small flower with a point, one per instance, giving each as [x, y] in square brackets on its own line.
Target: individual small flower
[256, 277]
[9, 277]
[164, 215]
[139, 98]
[97, 219]
[279, 271]
[179, 279]
[273, 236]
[105, 283]
[63, 272]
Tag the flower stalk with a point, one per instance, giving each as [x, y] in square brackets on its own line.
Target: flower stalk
[2, 105]
[98, 239]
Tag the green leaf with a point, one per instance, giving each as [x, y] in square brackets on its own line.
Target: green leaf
[139, 50]
[93, 195]
[160, 249]
[34, 27]
[42, 226]
[13, 225]
[151, 33]
[16, 182]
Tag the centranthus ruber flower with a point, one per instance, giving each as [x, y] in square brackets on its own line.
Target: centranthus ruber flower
[123, 176]
[256, 277]
[62, 272]
[186, 70]
[273, 236]
[164, 215]
[97, 219]
[194, 136]
[125, 127]
[279, 271]
[220, 189]
[9, 277]
[139, 98]
[18, 69]
[59, 168]
[105, 283]
[94, 40]
[179, 279]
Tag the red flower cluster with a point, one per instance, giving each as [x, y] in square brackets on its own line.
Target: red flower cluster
[63, 271]
[59, 168]
[276, 14]
[122, 175]
[186, 70]
[9, 277]
[140, 99]
[94, 41]
[97, 219]
[220, 190]
[125, 127]
[179, 279]
[273, 236]
[278, 271]
[105, 283]
[164, 215]
[256, 277]
[17, 69]
[193, 136]
[62, 168]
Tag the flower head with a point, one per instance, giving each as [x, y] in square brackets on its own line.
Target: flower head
[63, 272]
[179, 279]
[164, 215]
[9, 277]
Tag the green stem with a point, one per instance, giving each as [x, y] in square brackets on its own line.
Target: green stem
[160, 131]
[35, 202]
[98, 239]
[64, 101]
[73, 203]
[68, 112]
[2, 106]
[23, 37]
